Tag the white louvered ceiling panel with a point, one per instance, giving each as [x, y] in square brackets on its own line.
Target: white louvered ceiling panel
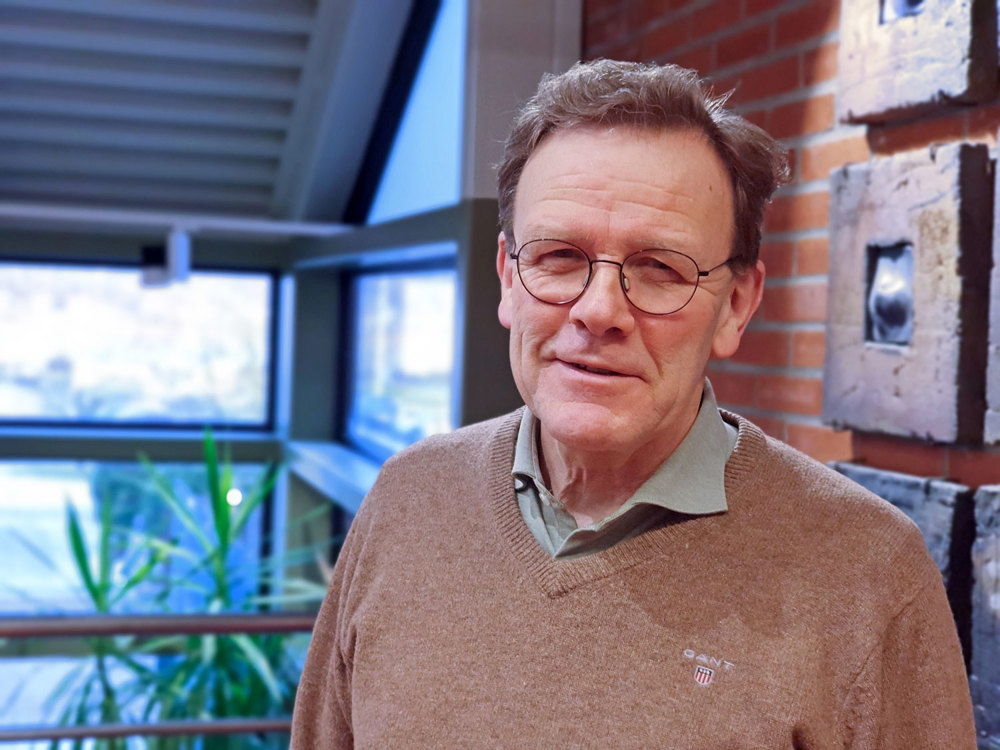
[164, 104]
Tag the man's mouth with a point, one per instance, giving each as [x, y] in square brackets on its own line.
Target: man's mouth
[595, 370]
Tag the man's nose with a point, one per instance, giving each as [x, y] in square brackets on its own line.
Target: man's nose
[603, 307]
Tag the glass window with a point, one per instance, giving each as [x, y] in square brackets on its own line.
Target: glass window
[423, 169]
[92, 345]
[403, 350]
[42, 574]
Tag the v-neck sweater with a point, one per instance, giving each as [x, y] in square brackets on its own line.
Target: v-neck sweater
[810, 615]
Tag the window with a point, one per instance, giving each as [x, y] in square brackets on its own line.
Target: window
[91, 345]
[402, 354]
[423, 169]
[42, 576]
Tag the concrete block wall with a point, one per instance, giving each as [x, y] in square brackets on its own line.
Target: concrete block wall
[781, 57]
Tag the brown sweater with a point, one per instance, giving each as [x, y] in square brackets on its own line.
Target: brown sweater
[810, 615]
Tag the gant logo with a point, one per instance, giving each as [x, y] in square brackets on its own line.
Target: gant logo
[711, 663]
[703, 675]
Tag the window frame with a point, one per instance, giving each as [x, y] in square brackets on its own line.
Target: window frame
[194, 428]
[349, 336]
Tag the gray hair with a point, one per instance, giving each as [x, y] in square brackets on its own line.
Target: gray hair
[610, 93]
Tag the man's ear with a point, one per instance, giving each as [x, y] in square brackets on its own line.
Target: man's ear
[742, 302]
[505, 270]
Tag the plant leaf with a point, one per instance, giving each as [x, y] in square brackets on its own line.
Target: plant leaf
[167, 494]
[78, 546]
[259, 663]
[216, 495]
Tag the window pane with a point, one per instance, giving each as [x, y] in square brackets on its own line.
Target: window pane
[87, 344]
[403, 353]
[422, 171]
[41, 574]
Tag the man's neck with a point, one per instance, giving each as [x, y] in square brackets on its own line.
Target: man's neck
[593, 485]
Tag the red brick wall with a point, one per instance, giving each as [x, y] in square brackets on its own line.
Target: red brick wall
[780, 56]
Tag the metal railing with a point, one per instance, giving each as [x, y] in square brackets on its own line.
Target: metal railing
[55, 626]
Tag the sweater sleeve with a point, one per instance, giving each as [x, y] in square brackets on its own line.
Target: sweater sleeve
[322, 716]
[912, 690]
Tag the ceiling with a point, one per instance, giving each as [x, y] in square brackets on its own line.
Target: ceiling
[256, 108]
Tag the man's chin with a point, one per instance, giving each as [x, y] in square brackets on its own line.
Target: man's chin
[587, 427]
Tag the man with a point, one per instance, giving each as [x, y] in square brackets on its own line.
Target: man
[620, 564]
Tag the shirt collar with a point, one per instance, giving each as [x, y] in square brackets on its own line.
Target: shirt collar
[691, 480]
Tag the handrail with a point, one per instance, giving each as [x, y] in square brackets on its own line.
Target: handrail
[161, 729]
[51, 626]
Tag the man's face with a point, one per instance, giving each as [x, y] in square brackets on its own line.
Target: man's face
[613, 192]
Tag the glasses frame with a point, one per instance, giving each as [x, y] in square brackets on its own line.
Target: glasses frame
[516, 257]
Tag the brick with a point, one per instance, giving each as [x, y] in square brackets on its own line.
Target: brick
[888, 71]
[898, 454]
[821, 443]
[769, 79]
[611, 29]
[820, 64]
[767, 348]
[748, 43]
[770, 425]
[667, 37]
[790, 394]
[984, 679]
[891, 139]
[813, 115]
[735, 388]
[594, 9]
[761, 6]
[715, 16]
[798, 303]
[814, 19]
[817, 161]
[697, 58]
[790, 213]
[652, 10]
[778, 258]
[631, 51]
[812, 256]
[758, 117]
[974, 466]
[808, 348]
[933, 203]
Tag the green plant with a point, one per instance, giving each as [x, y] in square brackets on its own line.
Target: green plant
[92, 694]
[187, 676]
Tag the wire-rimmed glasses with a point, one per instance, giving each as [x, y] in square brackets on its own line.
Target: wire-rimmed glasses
[658, 282]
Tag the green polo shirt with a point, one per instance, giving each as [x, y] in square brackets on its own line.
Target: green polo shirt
[691, 481]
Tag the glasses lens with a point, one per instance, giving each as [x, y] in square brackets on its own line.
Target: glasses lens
[660, 281]
[553, 271]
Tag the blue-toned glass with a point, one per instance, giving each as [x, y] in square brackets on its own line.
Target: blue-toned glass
[404, 330]
[91, 344]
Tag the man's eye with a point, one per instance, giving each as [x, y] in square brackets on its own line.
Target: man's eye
[560, 257]
[656, 271]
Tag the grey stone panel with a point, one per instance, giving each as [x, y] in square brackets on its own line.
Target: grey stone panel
[985, 675]
[933, 387]
[930, 503]
[891, 67]
[991, 422]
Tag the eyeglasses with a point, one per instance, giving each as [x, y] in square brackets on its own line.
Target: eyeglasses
[658, 282]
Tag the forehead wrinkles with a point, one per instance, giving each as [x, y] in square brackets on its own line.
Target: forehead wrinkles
[588, 208]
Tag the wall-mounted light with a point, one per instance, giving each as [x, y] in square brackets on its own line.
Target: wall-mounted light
[163, 265]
